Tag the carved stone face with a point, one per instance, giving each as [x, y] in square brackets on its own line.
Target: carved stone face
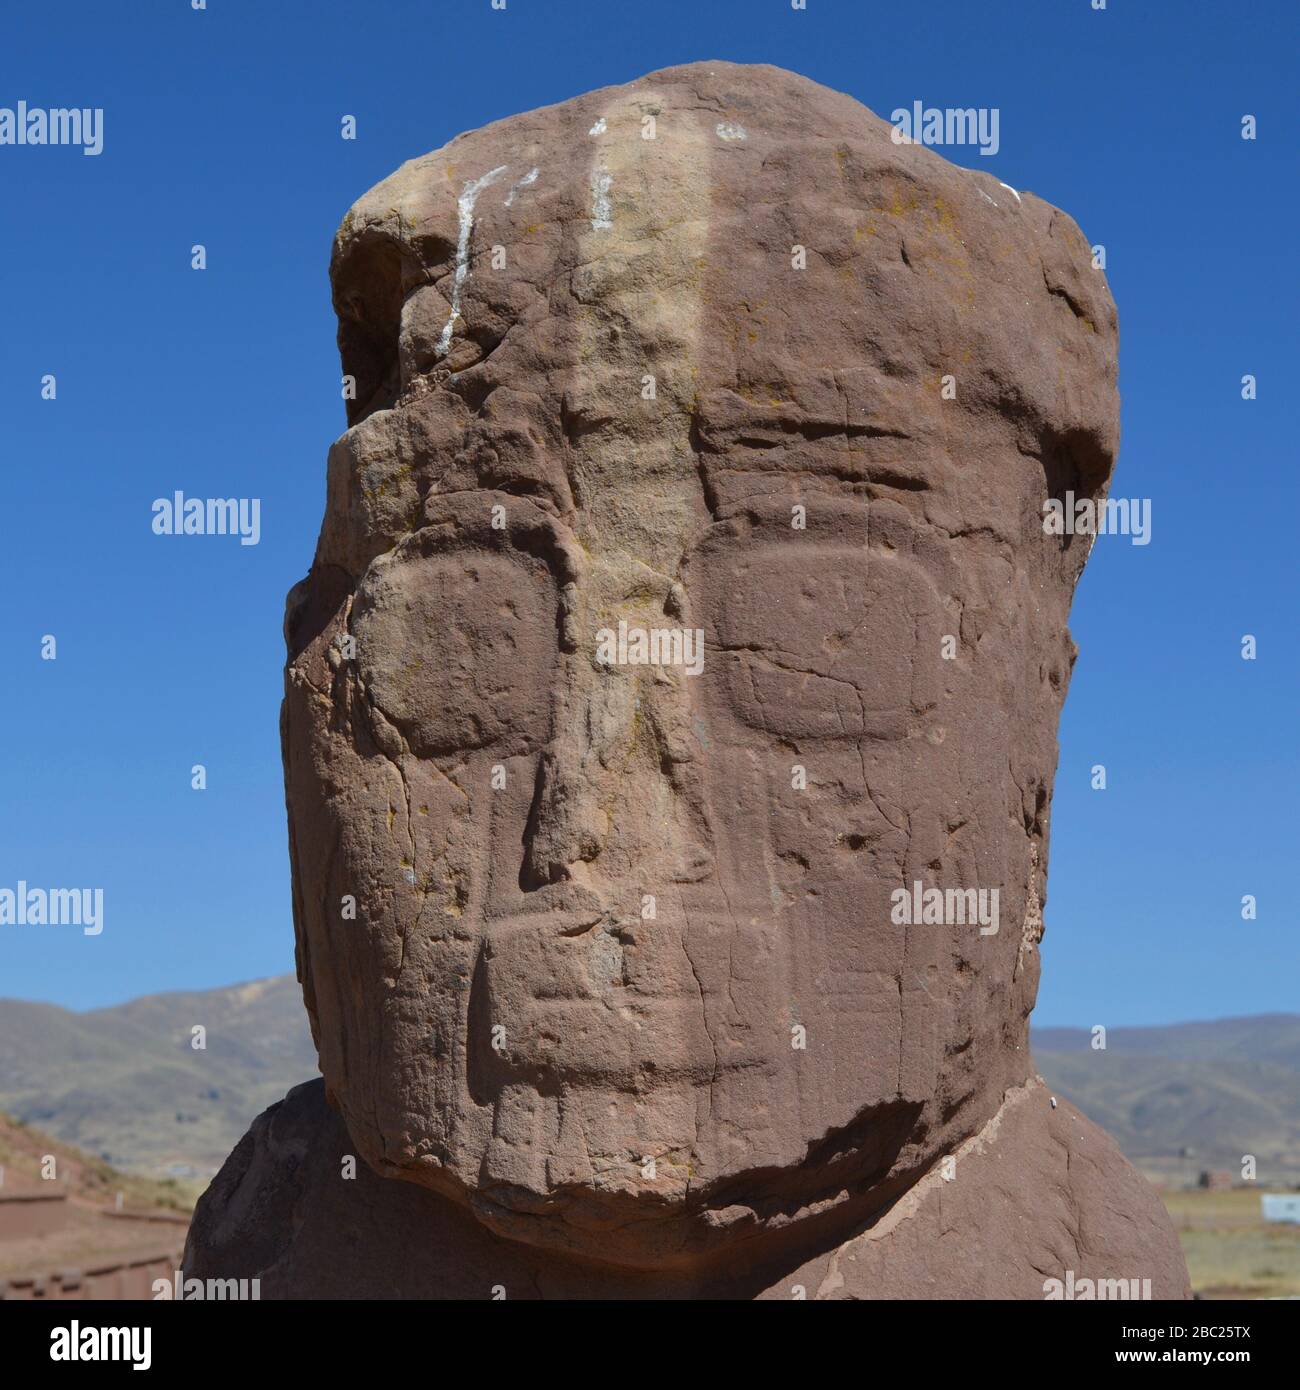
[621, 953]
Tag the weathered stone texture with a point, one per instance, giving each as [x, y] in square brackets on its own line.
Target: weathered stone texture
[596, 376]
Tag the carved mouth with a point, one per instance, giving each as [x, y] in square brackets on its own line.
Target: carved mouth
[586, 996]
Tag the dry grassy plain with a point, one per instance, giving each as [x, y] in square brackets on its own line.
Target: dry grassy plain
[1231, 1251]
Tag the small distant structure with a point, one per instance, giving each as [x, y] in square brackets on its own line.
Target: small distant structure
[1280, 1206]
[1215, 1180]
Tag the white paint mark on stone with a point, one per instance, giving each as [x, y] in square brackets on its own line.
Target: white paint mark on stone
[599, 128]
[727, 131]
[601, 182]
[1009, 189]
[986, 197]
[529, 178]
[465, 209]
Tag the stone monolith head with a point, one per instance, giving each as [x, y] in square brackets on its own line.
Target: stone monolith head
[681, 622]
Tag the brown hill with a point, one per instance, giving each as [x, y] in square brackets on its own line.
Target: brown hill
[72, 1225]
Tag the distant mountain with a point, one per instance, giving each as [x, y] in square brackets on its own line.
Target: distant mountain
[1221, 1090]
[126, 1085]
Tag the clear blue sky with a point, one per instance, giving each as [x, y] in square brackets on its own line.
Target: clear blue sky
[222, 127]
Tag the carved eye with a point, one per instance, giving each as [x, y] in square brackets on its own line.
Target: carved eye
[459, 650]
[821, 641]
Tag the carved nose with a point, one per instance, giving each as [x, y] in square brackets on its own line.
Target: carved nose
[617, 798]
[565, 827]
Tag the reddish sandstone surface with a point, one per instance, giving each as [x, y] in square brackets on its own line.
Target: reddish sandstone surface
[604, 962]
